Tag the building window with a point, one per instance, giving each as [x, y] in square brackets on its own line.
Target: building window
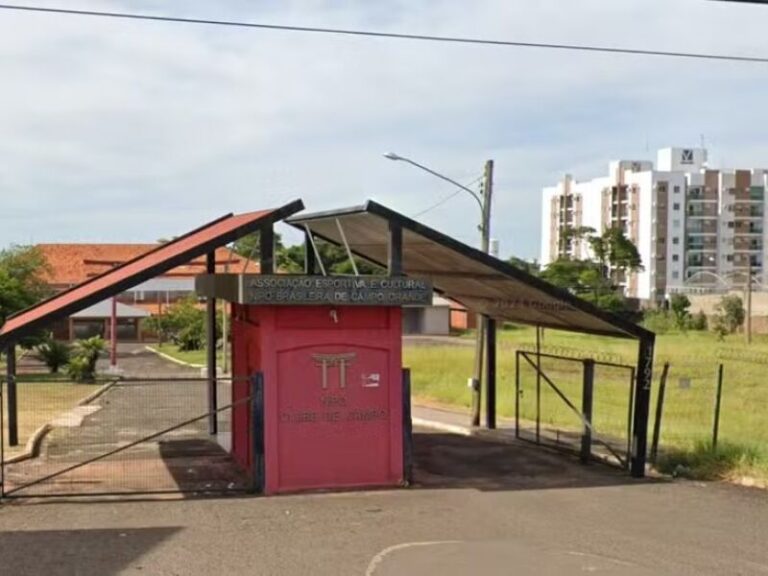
[730, 224]
[729, 258]
[676, 223]
[675, 257]
[677, 189]
[675, 240]
[676, 206]
[675, 274]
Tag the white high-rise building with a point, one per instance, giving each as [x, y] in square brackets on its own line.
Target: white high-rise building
[696, 228]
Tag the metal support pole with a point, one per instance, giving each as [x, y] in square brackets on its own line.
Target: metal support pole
[518, 393]
[395, 251]
[257, 433]
[659, 414]
[642, 405]
[490, 400]
[309, 255]
[748, 327]
[586, 409]
[113, 335]
[13, 425]
[485, 231]
[407, 429]
[267, 250]
[716, 425]
[213, 424]
[538, 383]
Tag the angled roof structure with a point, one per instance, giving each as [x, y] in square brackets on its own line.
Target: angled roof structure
[165, 257]
[477, 280]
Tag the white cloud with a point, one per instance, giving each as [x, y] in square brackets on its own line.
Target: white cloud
[120, 130]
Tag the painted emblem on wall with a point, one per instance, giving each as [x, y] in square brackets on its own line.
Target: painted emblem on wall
[328, 361]
[686, 157]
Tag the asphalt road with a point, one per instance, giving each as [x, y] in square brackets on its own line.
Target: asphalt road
[478, 508]
[618, 528]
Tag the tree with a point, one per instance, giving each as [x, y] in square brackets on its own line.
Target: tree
[82, 365]
[616, 253]
[729, 314]
[53, 354]
[22, 279]
[531, 267]
[679, 304]
[183, 324]
[249, 246]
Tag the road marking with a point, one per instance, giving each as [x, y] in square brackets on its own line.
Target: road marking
[379, 558]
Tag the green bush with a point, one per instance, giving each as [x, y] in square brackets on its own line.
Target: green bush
[659, 321]
[54, 354]
[698, 321]
[78, 370]
[183, 324]
[82, 366]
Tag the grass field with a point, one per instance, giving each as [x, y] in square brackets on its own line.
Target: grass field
[40, 402]
[191, 357]
[439, 374]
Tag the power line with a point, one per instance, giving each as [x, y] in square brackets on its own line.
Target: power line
[389, 35]
[446, 198]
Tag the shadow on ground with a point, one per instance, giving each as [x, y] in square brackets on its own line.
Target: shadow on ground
[453, 461]
[73, 552]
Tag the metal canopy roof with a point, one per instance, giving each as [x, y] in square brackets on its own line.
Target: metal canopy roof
[192, 245]
[481, 282]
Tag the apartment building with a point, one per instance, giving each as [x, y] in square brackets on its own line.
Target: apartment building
[697, 229]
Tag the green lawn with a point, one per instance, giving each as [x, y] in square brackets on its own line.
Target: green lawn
[439, 374]
[191, 356]
[39, 402]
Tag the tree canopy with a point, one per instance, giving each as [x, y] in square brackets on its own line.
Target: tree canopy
[22, 279]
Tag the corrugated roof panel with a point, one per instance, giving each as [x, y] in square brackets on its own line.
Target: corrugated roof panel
[480, 282]
[163, 258]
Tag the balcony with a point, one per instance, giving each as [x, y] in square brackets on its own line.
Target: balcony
[702, 211]
[703, 226]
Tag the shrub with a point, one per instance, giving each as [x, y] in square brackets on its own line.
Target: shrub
[82, 366]
[54, 354]
[730, 314]
[659, 321]
[698, 321]
[78, 370]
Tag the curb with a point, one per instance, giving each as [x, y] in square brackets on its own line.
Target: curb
[96, 393]
[442, 426]
[32, 447]
[172, 359]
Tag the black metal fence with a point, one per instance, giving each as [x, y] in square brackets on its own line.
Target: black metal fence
[578, 405]
[120, 436]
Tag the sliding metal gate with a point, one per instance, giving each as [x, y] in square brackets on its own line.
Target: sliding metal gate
[578, 405]
[149, 435]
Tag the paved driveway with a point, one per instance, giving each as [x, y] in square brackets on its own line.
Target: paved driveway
[151, 400]
[623, 528]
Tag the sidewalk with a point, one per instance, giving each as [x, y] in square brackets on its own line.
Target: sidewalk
[458, 422]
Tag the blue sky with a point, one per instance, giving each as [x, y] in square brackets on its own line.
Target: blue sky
[122, 131]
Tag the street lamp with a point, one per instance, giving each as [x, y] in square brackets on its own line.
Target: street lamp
[396, 157]
[485, 231]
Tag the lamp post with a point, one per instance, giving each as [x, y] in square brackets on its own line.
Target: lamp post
[484, 203]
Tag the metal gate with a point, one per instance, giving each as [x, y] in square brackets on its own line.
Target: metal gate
[149, 435]
[577, 405]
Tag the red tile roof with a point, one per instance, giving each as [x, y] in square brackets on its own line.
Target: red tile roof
[72, 264]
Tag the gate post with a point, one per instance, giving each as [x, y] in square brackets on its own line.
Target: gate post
[210, 344]
[257, 433]
[13, 425]
[586, 408]
[407, 429]
[490, 351]
[642, 405]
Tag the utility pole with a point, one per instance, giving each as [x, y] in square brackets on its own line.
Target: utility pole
[485, 230]
[748, 326]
